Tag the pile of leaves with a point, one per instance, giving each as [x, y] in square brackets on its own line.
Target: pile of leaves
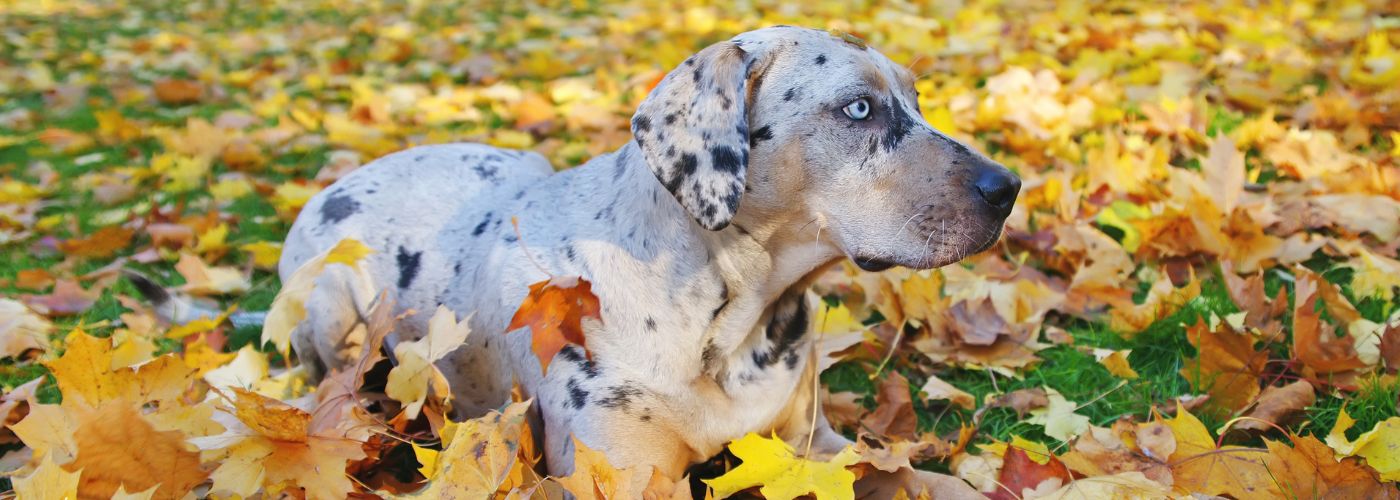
[1196, 292]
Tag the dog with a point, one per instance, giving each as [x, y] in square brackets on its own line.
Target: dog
[755, 165]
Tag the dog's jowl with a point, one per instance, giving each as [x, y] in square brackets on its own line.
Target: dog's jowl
[755, 165]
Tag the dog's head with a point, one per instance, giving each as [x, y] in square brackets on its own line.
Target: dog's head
[795, 121]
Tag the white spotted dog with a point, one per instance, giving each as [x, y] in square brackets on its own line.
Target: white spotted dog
[755, 165]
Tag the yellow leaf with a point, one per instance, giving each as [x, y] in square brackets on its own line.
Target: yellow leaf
[85, 374]
[1198, 466]
[289, 197]
[201, 325]
[48, 481]
[1116, 362]
[265, 254]
[479, 456]
[347, 251]
[1380, 446]
[21, 329]
[213, 239]
[771, 464]
[594, 478]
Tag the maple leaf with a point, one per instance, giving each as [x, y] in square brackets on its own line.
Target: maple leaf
[416, 375]
[272, 446]
[48, 480]
[66, 299]
[178, 91]
[1199, 466]
[478, 459]
[1021, 474]
[102, 243]
[1116, 362]
[770, 464]
[85, 374]
[1309, 470]
[936, 388]
[1226, 366]
[554, 310]
[1378, 445]
[1313, 341]
[108, 460]
[594, 478]
[894, 409]
[1276, 404]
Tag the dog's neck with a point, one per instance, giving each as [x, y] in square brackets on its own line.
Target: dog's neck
[766, 250]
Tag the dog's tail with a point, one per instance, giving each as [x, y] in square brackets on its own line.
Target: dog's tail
[179, 308]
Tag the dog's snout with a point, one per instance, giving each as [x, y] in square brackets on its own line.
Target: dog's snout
[998, 187]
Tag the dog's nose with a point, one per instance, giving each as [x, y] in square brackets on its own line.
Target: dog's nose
[998, 187]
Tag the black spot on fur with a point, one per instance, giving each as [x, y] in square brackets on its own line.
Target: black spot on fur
[897, 127]
[578, 397]
[487, 173]
[709, 354]
[481, 228]
[408, 266]
[685, 167]
[570, 253]
[697, 74]
[790, 94]
[641, 123]
[457, 268]
[723, 300]
[725, 159]
[619, 397]
[671, 118]
[762, 134]
[788, 325]
[651, 324]
[337, 208]
[821, 59]
[574, 354]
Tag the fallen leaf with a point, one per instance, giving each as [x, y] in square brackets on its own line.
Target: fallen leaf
[1226, 366]
[594, 478]
[1021, 476]
[202, 279]
[894, 409]
[1116, 362]
[478, 459]
[67, 298]
[48, 480]
[1314, 343]
[1198, 466]
[21, 329]
[770, 464]
[1277, 404]
[554, 310]
[935, 388]
[1059, 418]
[416, 375]
[108, 460]
[178, 91]
[1309, 470]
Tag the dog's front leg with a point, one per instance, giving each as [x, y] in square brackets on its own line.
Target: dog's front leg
[803, 421]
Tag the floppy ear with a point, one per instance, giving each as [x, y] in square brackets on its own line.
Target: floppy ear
[693, 130]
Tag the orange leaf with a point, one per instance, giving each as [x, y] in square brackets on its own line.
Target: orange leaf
[103, 243]
[34, 279]
[1310, 470]
[172, 91]
[1313, 341]
[1226, 366]
[1020, 473]
[554, 310]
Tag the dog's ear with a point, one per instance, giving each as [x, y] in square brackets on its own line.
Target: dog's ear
[693, 130]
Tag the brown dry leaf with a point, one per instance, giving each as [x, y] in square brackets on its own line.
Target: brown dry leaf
[1021, 400]
[117, 447]
[1162, 299]
[67, 298]
[100, 244]
[1278, 404]
[894, 411]
[178, 91]
[1021, 475]
[554, 310]
[1248, 294]
[242, 153]
[1100, 452]
[1310, 470]
[1198, 466]
[913, 483]
[1314, 343]
[1226, 366]
[1390, 347]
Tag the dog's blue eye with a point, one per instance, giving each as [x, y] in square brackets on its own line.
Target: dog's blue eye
[858, 109]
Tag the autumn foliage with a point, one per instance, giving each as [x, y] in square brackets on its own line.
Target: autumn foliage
[1195, 294]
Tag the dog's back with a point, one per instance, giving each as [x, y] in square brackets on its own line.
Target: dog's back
[414, 209]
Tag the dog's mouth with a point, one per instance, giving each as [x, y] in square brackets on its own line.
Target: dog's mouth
[928, 260]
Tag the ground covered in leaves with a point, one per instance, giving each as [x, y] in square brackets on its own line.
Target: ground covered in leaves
[1196, 291]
